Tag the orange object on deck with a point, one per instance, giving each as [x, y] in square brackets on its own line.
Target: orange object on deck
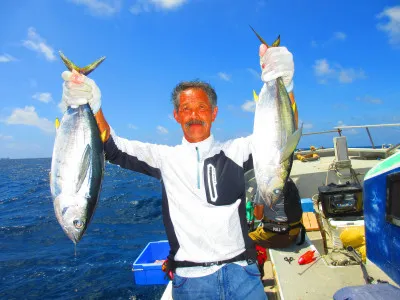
[310, 221]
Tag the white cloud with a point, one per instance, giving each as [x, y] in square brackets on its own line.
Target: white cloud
[392, 25]
[62, 107]
[322, 67]
[339, 36]
[100, 7]
[28, 116]
[305, 125]
[36, 43]
[43, 97]
[249, 106]
[224, 76]
[349, 75]
[5, 137]
[145, 6]
[324, 71]
[256, 74]
[131, 126]
[369, 99]
[162, 130]
[5, 58]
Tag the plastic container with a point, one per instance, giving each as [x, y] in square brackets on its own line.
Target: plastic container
[147, 266]
[307, 205]
[337, 226]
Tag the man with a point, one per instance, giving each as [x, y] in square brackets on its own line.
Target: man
[203, 189]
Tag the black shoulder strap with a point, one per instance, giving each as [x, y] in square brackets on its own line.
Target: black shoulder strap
[302, 234]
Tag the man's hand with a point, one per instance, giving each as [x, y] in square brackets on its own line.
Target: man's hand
[277, 62]
[79, 89]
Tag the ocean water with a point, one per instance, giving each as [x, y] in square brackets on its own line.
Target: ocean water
[37, 260]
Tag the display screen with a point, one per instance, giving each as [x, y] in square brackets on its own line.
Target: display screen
[343, 202]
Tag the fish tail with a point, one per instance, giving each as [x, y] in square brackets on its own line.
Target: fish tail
[85, 70]
[259, 37]
[276, 43]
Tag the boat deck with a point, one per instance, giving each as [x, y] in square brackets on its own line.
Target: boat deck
[316, 280]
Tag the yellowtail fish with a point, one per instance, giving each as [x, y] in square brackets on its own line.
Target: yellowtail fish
[274, 138]
[77, 165]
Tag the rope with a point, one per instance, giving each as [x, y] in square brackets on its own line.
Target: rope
[337, 165]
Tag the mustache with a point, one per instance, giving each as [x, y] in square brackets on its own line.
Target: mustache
[194, 122]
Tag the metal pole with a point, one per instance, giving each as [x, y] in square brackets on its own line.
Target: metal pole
[370, 138]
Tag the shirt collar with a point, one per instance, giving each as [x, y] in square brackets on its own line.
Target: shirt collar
[203, 145]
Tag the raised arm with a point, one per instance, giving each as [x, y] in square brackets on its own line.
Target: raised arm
[134, 155]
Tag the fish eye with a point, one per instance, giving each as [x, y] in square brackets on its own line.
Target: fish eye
[78, 224]
[277, 191]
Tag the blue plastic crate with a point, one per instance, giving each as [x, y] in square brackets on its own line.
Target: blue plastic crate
[307, 205]
[145, 269]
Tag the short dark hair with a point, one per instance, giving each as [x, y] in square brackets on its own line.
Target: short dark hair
[184, 85]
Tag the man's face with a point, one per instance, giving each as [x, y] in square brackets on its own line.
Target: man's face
[195, 114]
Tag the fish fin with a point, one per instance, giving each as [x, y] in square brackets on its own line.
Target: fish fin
[85, 70]
[57, 123]
[291, 144]
[84, 167]
[294, 107]
[103, 135]
[259, 37]
[255, 96]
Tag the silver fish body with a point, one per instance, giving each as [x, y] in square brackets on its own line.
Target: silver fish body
[77, 170]
[274, 140]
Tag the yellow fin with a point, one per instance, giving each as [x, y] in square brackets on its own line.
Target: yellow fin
[255, 96]
[103, 135]
[57, 123]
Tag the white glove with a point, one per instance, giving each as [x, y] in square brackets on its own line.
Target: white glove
[79, 89]
[277, 62]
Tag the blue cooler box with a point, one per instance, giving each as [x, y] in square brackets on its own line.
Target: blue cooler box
[307, 205]
[147, 266]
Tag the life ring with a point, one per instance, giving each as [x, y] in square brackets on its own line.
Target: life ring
[307, 157]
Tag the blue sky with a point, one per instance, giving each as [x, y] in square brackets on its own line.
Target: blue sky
[347, 61]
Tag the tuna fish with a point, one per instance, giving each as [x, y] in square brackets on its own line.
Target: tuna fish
[274, 138]
[77, 165]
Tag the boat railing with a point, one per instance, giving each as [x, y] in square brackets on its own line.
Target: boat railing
[339, 129]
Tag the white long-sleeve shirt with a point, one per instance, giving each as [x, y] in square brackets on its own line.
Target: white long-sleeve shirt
[203, 194]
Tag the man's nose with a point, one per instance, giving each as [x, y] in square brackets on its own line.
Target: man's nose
[194, 112]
